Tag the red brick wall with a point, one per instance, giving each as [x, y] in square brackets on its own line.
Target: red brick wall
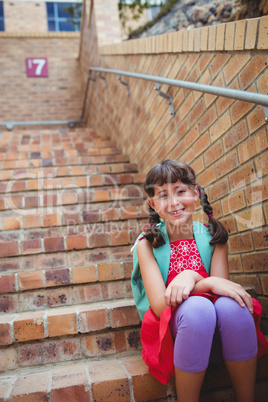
[225, 141]
[57, 97]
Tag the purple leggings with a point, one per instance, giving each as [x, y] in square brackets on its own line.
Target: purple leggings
[205, 332]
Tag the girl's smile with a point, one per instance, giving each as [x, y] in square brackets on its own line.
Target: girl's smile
[177, 213]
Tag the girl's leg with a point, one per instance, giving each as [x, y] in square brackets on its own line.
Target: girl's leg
[243, 376]
[188, 385]
[239, 346]
[193, 325]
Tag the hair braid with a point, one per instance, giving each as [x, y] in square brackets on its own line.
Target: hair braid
[154, 218]
[152, 232]
[216, 229]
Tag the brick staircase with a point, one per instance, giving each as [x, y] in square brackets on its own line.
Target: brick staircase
[71, 205]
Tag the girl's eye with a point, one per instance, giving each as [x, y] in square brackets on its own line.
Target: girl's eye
[162, 196]
[181, 191]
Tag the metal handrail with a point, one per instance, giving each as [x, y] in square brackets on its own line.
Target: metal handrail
[10, 124]
[252, 97]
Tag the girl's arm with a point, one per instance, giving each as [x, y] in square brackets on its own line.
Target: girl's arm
[219, 283]
[158, 295]
[151, 276]
[219, 263]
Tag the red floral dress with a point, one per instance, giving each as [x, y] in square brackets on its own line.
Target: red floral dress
[184, 255]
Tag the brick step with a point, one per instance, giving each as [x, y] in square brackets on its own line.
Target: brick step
[13, 156]
[78, 170]
[41, 278]
[39, 180]
[20, 328]
[53, 137]
[37, 143]
[49, 136]
[51, 298]
[33, 199]
[60, 161]
[55, 350]
[67, 182]
[78, 186]
[125, 378]
[69, 278]
[71, 144]
[71, 214]
[68, 238]
[79, 258]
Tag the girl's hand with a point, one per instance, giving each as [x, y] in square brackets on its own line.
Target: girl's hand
[180, 288]
[224, 287]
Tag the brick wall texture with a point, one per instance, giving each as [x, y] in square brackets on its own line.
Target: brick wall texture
[107, 21]
[56, 97]
[224, 140]
[25, 16]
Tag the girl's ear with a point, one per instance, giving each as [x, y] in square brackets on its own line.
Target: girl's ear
[196, 193]
[151, 202]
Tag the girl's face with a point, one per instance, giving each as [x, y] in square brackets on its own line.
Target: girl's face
[174, 202]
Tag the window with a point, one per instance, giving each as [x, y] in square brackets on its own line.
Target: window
[64, 16]
[2, 24]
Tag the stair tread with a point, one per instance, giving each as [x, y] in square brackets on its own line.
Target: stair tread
[106, 304]
[98, 224]
[68, 182]
[63, 161]
[80, 186]
[98, 151]
[82, 143]
[125, 378]
[98, 211]
[102, 236]
[36, 289]
[71, 198]
[63, 171]
[74, 258]
[71, 320]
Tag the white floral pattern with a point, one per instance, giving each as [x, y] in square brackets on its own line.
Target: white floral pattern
[184, 255]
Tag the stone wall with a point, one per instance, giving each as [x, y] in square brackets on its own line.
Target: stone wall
[224, 140]
[188, 14]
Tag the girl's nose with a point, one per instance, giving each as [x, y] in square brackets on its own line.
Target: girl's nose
[174, 200]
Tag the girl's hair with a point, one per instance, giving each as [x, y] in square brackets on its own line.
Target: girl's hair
[170, 171]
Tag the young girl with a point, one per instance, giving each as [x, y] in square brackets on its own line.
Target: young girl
[180, 277]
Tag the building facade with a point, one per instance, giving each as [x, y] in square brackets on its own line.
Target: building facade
[40, 16]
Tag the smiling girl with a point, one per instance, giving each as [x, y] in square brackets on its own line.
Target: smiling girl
[181, 276]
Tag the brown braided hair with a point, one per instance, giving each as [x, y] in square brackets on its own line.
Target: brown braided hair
[216, 229]
[170, 171]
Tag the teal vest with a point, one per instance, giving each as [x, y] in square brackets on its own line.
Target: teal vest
[162, 256]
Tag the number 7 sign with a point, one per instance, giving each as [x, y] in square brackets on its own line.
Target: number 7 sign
[36, 67]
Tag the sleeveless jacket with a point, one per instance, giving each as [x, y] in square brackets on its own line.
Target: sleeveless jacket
[162, 257]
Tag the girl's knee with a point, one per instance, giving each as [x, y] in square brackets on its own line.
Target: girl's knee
[197, 313]
[237, 330]
[230, 313]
